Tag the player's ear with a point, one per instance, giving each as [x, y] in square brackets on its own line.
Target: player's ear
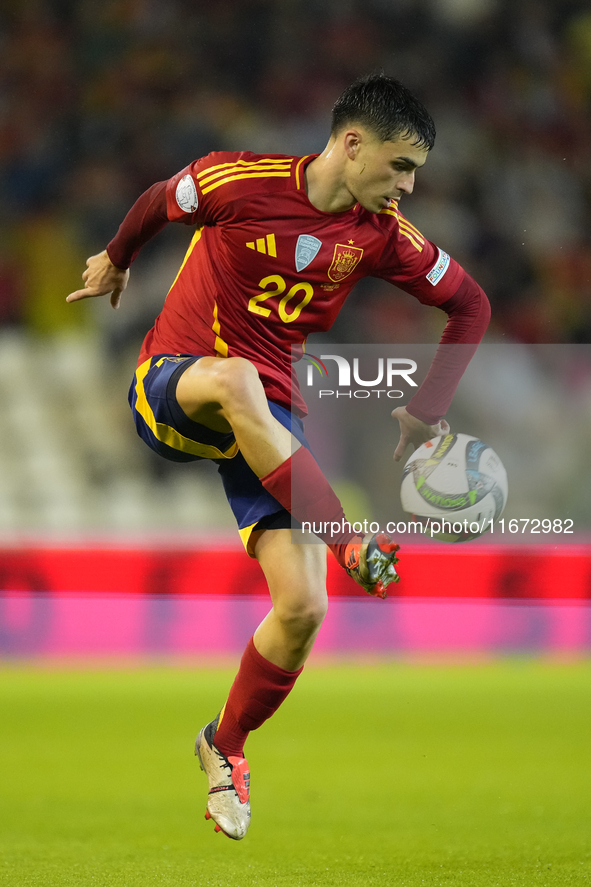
[352, 141]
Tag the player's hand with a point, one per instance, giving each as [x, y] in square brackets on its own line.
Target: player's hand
[101, 278]
[415, 432]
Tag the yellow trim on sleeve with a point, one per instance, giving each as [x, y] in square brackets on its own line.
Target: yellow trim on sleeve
[168, 435]
[408, 229]
[412, 240]
[275, 161]
[404, 221]
[244, 175]
[208, 176]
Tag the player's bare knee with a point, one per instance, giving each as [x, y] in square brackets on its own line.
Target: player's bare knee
[237, 381]
[301, 618]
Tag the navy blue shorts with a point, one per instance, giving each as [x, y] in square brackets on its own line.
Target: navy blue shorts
[163, 425]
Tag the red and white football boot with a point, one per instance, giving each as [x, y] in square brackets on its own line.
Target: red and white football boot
[370, 562]
[228, 802]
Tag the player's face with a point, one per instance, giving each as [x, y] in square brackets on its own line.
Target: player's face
[383, 171]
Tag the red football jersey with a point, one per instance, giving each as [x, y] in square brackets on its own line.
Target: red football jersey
[265, 268]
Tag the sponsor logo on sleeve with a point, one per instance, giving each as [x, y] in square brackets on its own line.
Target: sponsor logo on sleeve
[438, 269]
[186, 194]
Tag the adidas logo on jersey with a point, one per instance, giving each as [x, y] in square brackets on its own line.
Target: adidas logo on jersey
[264, 245]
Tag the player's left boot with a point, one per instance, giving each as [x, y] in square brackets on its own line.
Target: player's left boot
[228, 803]
[370, 562]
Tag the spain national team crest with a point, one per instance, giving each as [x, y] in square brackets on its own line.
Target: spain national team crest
[344, 261]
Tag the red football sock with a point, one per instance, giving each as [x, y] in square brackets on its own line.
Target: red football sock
[300, 486]
[257, 692]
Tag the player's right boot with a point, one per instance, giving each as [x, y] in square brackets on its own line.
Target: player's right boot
[370, 562]
[228, 803]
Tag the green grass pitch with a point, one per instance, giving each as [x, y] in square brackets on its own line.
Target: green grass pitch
[390, 774]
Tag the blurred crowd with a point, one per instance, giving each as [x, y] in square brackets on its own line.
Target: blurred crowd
[101, 98]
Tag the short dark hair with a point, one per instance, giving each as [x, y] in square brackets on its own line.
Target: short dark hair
[387, 107]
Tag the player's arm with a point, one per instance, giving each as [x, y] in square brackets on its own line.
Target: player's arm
[179, 199]
[420, 268]
[468, 313]
[101, 278]
[108, 271]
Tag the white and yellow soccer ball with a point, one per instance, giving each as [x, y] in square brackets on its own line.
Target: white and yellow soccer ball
[456, 486]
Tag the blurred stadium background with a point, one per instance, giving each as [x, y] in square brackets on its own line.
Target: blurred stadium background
[101, 98]
[483, 766]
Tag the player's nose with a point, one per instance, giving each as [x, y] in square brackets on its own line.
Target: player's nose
[406, 182]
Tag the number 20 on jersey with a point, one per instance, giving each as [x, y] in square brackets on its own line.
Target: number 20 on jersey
[275, 285]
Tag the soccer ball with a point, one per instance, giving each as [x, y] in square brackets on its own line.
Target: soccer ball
[455, 486]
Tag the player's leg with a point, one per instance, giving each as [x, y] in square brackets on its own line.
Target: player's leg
[295, 573]
[270, 666]
[296, 577]
[275, 655]
[227, 394]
